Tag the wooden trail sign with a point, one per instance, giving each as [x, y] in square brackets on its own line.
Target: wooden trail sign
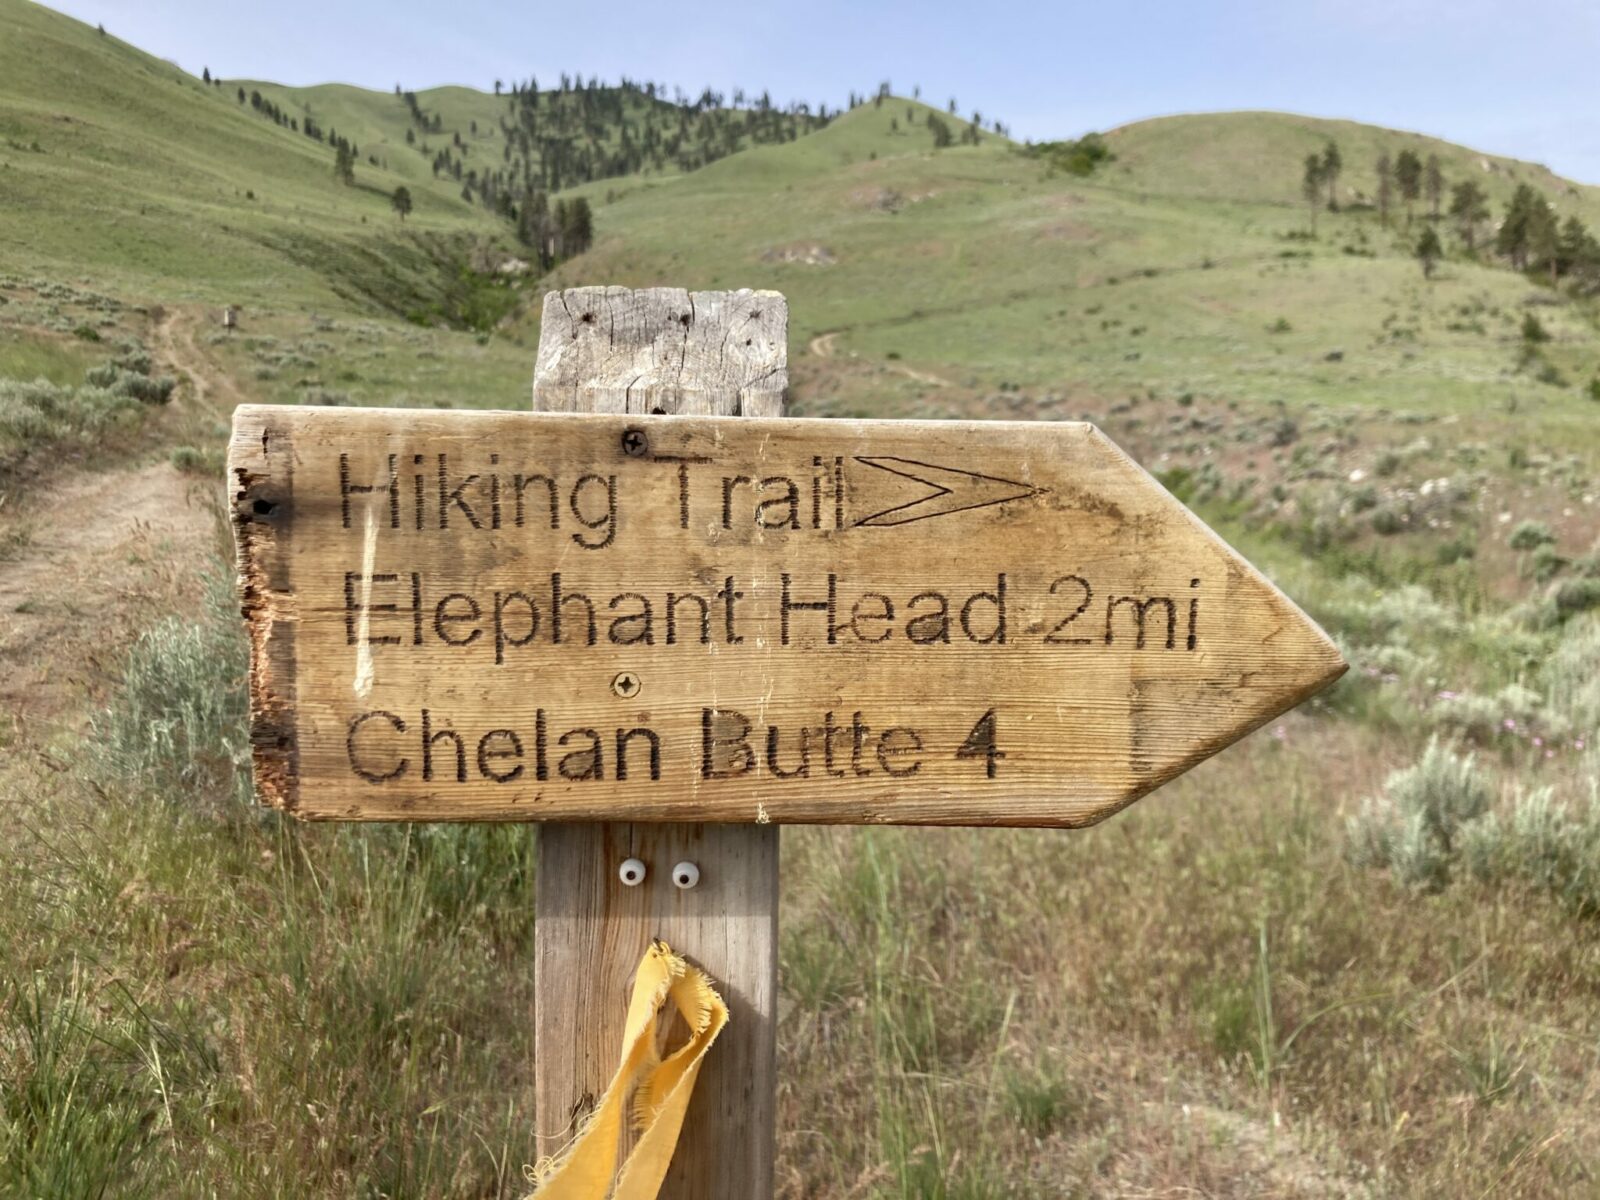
[601, 619]
[520, 616]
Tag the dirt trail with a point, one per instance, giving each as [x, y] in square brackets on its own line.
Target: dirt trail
[88, 558]
[825, 345]
[212, 390]
[90, 561]
[822, 344]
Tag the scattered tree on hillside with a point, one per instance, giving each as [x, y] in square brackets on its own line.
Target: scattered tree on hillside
[1075, 157]
[1332, 164]
[578, 233]
[1385, 188]
[1311, 187]
[1469, 208]
[1429, 251]
[344, 164]
[205, 74]
[1529, 226]
[940, 130]
[241, 95]
[1433, 183]
[1578, 255]
[1408, 175]
[401, 202]
[536, 230]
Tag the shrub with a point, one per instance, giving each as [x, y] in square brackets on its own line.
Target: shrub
[1542, 843]
[177, 729]
[197, 462]
[1387, 522]
[33, 415]
[1546, 563]
[146, 390]
[1533, 330]
[1414, 827]
[1530, 535]
[1571, 679]
[1577, 595]
[133, 358]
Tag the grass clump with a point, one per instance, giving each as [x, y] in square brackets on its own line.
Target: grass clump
[75, 1117]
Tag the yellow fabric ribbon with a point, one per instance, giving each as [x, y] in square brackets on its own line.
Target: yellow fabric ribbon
[661, 1088]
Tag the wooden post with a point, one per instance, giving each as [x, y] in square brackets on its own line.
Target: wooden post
[662, 350]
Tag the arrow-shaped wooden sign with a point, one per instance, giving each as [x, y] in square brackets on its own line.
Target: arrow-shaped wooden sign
[508, 616]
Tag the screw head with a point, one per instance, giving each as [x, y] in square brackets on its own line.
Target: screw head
[635, 444]
[626, 684]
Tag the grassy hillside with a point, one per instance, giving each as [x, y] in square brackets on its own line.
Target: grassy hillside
[971, 268]
[1257, 156]
[119, 165]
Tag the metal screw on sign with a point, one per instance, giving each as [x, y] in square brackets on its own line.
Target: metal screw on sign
[635, 444]
[626, 685]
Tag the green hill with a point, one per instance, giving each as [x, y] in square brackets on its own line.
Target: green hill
[1257, 156]
[1183, 267]
[120, 166]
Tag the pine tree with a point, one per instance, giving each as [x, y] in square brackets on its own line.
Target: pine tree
[1433, 183]
[1429, 251]
[1408, 175]
[1528, 233]
[205, 74]
[1469, 208]
[1385, 188]
[1332, 164]
[344, 164]
[1311, 187]
[577, 233]
[401, 202]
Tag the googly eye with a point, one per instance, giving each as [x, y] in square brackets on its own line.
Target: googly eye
[685, 875]
[631, 872]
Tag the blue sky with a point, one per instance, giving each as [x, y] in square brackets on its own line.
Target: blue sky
[1515, 77]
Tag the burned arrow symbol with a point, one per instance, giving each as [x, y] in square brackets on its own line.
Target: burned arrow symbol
[954, 491]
